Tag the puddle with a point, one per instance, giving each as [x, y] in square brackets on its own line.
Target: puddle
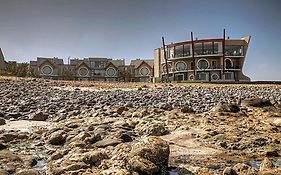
[257, 164]
[26, 125]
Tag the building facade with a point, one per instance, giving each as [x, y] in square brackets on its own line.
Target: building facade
[3, 63]
[95, 69]
[202, 60]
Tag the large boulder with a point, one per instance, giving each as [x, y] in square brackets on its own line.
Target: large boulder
[57, 138]
[149, 156]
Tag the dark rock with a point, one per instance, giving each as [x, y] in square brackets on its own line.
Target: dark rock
[3, 146]
[257, 102]
[229, 171]
[2, 121]
[187, 109]
[121, 109]
[57, 138]
[166, 106]
[39, 116]
[272, 153]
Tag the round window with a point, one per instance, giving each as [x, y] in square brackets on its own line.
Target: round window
[191, 77]
[111, 72]
[203, 64]
[47, 70]
[164, 68]
[144, 71]
[215, 77]
[83, 71]
[181, 66]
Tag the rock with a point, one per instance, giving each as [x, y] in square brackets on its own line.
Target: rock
[229, 171]
[57, 138]
[166, 106]
[272, 153]
[266, 165]
[107, 142]
[28, 172]
[148, 151]
[2, 121]
[142, 166]
[151, 129]
[256, 102]
[121, 109]
[277, 122]
[39, 116]
[223, 107]
[94, 157]
[3, 146]
[187, 109]
[241, 168]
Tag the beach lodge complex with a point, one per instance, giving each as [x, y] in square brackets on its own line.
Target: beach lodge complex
[199, 60]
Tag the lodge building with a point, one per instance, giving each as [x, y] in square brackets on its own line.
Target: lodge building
[202, 60]
[95, 69]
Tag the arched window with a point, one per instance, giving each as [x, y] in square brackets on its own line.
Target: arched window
[164, 68]
[228, 63]
[180, 66]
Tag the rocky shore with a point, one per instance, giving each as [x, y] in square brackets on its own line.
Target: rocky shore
[56, 127]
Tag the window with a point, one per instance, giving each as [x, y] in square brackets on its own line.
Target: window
[178, 51]
[97, 64]
[203, 76]
[186, 50]
[237, 64]
[170, 52]
[208, 48]
[111, 72]
[192, 65]
[228, 64]
[83, 71]
[144, 71]
[99, 72]
[216, 47]
[164, 68]
[214, 64]
[180, 66]
[234, 50]
[202, 64]
[198, 48]
[215, 76]
[47, 70]
[229, 76]
[191, 77]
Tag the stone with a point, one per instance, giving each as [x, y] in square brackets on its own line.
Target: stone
[142, 166]
[94, 157]
[229, 171]
[256, 102]
[3, 146]
[224, 107]
[187, 109]
[151, 129]
[148, 151]
[121, 109]
[39, 116]
[272, 153]
[2, 121]
[28, 172]
[241, 168]
[277, 122]
[57, 138]
[266, 164]
[107, 142]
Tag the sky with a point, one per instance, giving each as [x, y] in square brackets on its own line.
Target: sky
[130, 29]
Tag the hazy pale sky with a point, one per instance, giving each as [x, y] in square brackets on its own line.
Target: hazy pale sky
[132, 29]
